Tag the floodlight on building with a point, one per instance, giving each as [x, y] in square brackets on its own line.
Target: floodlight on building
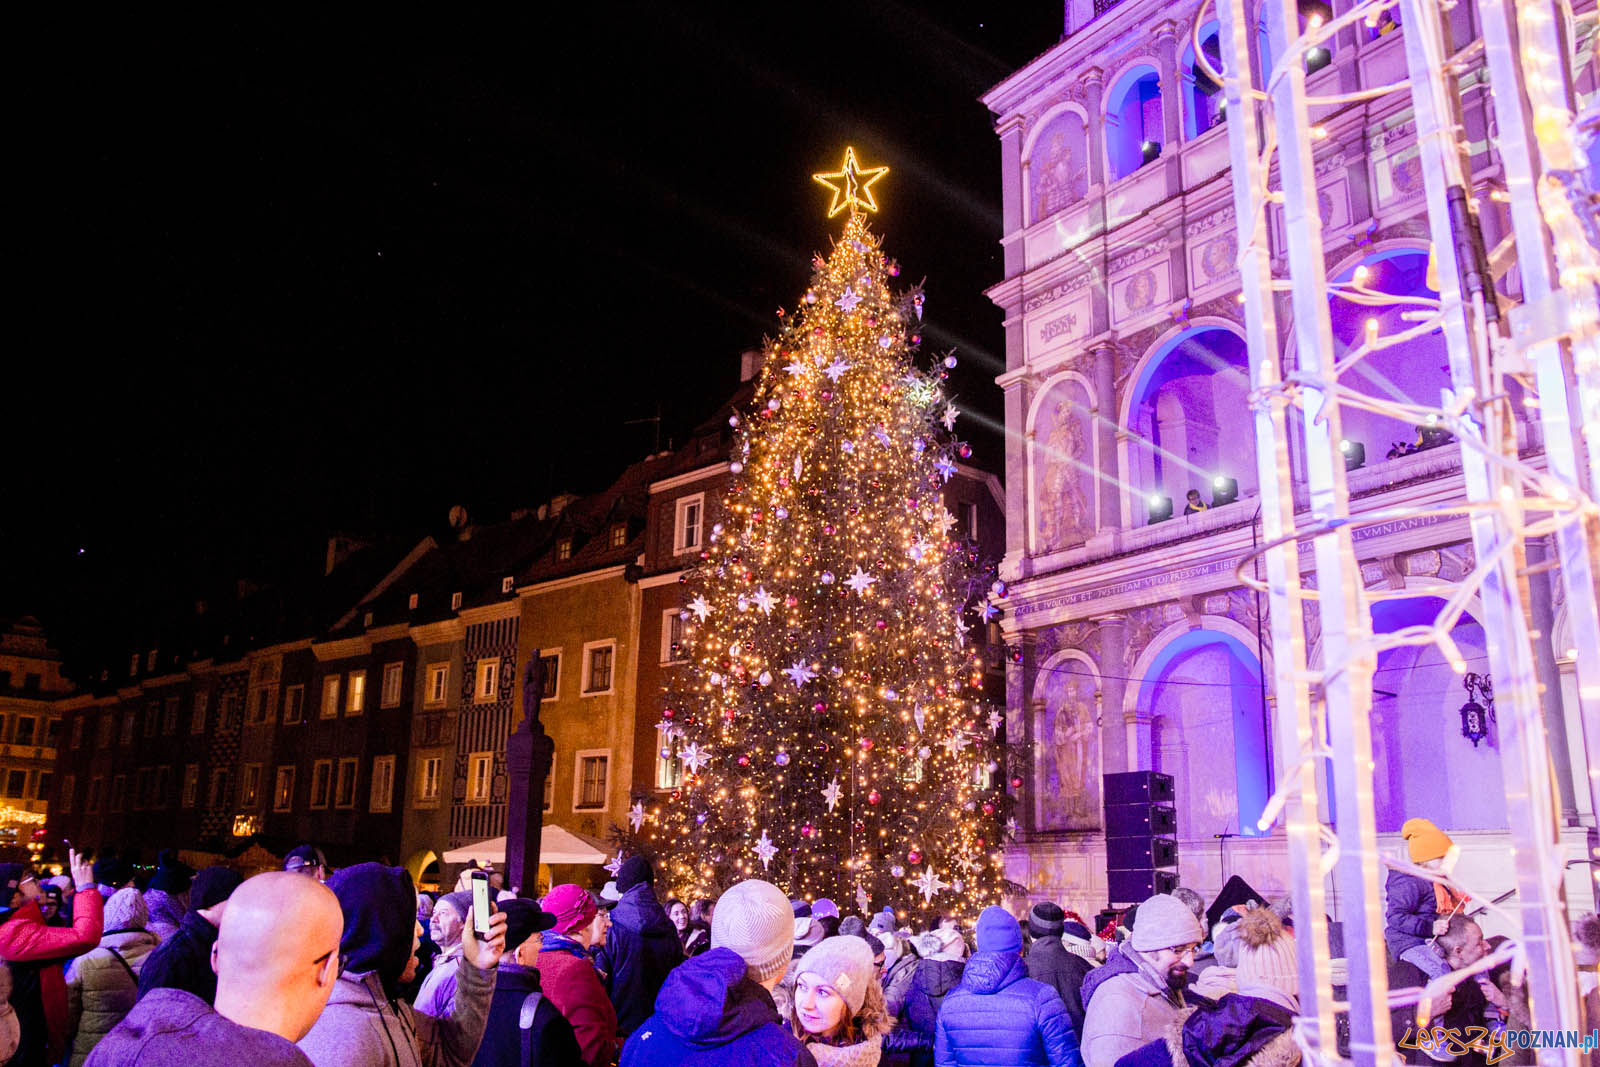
[1149, 150]
[1224, 490]
[1160, 508]
[1317, 58]
[1355, 454]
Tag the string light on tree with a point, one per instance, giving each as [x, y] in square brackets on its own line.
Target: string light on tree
[835, 564]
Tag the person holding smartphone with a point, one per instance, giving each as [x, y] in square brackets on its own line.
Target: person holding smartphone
[36, 953]
[366, 1021]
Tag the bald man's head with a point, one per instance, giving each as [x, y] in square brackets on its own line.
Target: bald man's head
[277, 953]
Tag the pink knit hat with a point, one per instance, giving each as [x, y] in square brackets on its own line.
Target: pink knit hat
[572, 906]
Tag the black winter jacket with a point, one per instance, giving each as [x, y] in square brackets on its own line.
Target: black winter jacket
[183, 961]
[1050, 962]
[641, 949]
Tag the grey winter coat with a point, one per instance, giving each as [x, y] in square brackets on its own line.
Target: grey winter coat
[1128, 1010]
[101, 991]
[362, 1026]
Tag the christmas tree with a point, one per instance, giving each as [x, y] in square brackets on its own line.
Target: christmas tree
[829, 718]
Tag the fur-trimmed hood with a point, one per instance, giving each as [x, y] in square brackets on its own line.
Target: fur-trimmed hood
[1235, 1032]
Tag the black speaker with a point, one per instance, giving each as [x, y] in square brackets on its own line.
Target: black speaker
[1135, 887]
[1138, 787]
[1140, 820]
[1133, 853]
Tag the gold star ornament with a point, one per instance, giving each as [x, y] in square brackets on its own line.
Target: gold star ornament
[851, 185]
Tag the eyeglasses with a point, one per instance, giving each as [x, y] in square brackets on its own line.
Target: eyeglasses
[1185, 950]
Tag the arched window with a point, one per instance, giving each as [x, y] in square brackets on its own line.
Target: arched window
[1202, 95]
[1133, 121]
[1192, 417]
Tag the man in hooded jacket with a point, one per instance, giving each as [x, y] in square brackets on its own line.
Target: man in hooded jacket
[36, 952]
[998, 1015]
[365, 1022]
[183, 961]
[641, 948]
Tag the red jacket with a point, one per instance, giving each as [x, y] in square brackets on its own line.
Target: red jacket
[570, 982]
[24, 938]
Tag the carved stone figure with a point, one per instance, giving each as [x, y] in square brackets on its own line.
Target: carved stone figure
[1063, 509]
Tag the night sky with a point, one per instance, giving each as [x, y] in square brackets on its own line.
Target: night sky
[283, 277]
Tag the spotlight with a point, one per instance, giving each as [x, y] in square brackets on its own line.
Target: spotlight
[1317, 58]
[1224, 490]
[1160, 508]
[1150, 150]
[1431, 435]
[1315, 12]
[1355, 454]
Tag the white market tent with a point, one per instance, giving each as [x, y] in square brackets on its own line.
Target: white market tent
[555, 846]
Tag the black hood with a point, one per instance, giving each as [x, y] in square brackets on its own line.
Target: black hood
[1235, 891]
[709, 1001]
[380, 916]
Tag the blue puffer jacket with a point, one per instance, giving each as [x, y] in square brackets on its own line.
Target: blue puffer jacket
[709, 1014]
[639, 951]
[999, 1017]
[1409, 910]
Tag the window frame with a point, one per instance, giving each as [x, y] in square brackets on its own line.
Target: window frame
[69, 785]
[91, 803]
[325, 768]
[486, 668]
[117, 800]
[191, 786]
[355, 693]
[75, 735]
[349, 803]
[202, 709]
[669, 618]
[382, 773]
[394, 676]
[169, 716]
[294, 700]
[163, 787]
[329, 708]
[438, 674]
[220, 788]
[263, 700]
[552, 687]
[250, 794]
[128, 727]
[33, 731]
[578, 759]
[423, 798]
[589, 648]
[680, 527]
[279, 803]
[474, 760]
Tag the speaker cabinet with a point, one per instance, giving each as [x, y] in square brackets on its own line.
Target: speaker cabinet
[1134, 853]
[1140, 820]
[1139, 787]
[1135, 887]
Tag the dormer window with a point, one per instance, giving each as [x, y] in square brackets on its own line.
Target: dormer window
[564, 548]
[619, 535]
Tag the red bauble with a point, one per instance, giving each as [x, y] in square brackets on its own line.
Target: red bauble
[668, 713]
[874, 798]
[1016, 781]
[882, 624]
[913, 856]
[866, 744]
[819, 707]
[981, 843]
[744, 761]
[827, 528]
[988, 807]
[806, 829]
[861, 826]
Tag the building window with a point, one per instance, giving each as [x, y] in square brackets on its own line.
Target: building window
[1134, 122]
[191, 784]
[128, 725]
[487, 687]
[597, 659]
[283, 789]
[169, 718]
[25, 727]
[330, 697]
[41, 788]
[564, 548]
[17, 784]
[52, 732]
[69, 785]
[589, 784]
[393, 675]
[344, 795]
[77, 731]
[294, 704]
[96, 787]
[355, 701]
[428, 779]
[250, 786]
[321, 782]
[480, 769]
[261, 705]
[163, 787]
[141, 789]
[508, 584]
[686, 527]
[552, 675]
[150, 660]
[969, 520]
[619, 535]
[672, 636]
[133, 665]
[197, 725]
[119, 791]
[103, 732]
[382, 783]
[221, 791]
[152, 718]
[669, 769]
[438, 684]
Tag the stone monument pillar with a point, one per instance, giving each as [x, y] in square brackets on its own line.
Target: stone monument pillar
[529, 751]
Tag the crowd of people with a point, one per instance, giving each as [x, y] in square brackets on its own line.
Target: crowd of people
[310, 967]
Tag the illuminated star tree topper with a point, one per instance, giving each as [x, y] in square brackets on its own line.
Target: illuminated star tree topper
[852, 188]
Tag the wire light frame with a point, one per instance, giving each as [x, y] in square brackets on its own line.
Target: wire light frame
[1325, 713]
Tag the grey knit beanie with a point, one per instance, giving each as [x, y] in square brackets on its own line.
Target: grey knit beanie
[754, 920]
[1165, 922]
[846, 964]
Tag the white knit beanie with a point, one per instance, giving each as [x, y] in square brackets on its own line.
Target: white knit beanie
[1165, 921]
[846, 964]
[1266, 953]
[125, 910]
[754, 920]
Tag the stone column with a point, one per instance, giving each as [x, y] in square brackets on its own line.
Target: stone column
[1020, 675]
[1011, 189]
[529, 751]
[1171, 115]
[1113, 731]
[1109, 481]
[1093, 82]
[1016, 456]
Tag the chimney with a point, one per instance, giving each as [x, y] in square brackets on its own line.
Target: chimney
[750, 361]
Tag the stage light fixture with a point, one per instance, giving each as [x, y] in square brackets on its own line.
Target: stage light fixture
[1224, 490]
[1317, 58]
[1355, 454]
[1150, 150]
[1160, 508]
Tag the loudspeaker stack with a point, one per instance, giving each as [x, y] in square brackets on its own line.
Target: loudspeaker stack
[1141, 836]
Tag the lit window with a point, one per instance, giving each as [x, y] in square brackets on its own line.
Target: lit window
[393, 676]
[283, 789]
[250, 786]
[344, 795]
[597, 667]
[321, 782]
[330, 697]
[552, 675]
[480, 768]
[686, 528]
[591, 780]
[382, 783]
[294, 704]
[355, 693]
[564, 548]
[619, 535]
[508, 584]
[487, 687]
[455, 601]
[191, 784]
[428, 779]
[438, 683]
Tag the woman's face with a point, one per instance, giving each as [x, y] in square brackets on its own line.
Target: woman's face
[679, 916]
[819, 1007]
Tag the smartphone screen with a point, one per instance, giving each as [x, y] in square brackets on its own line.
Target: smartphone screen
[481, 909]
